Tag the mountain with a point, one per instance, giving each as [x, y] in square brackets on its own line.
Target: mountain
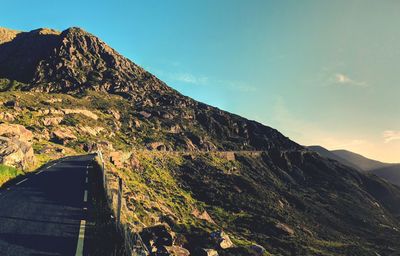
[390, 173]
[331, 155]
[387, 171]
[189, 169]
[360, 161]
[349, 158]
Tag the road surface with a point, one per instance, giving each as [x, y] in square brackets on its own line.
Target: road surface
[46, 212]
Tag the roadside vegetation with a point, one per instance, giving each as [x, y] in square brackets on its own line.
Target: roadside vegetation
[7, 173]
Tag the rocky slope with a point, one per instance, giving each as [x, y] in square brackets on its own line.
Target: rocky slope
[75, 94]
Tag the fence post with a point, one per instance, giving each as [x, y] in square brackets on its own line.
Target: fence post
[119, 202]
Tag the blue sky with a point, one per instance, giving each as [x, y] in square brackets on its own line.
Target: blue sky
[321, 72]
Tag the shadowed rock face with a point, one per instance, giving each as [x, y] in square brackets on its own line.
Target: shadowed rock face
[71, 61]
[20, 56]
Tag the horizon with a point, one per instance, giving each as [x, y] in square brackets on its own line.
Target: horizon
[230, 61]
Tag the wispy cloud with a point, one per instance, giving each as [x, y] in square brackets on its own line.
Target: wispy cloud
[390, 136]
[200, 80]
[188, 78]
[343, 79]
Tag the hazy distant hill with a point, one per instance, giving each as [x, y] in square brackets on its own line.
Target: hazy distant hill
[391, 173]
[360, 161]
[330, 154]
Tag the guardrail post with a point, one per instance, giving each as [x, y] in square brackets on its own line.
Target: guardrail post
[119, 202]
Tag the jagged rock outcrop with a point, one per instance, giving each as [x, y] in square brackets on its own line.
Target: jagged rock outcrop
[15, 146]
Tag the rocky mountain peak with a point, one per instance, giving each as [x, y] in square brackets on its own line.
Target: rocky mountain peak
[71, 61]
[7, 35]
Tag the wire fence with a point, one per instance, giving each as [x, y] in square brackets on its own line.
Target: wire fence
[113, 187]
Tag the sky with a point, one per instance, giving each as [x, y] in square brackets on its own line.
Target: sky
[321, 72]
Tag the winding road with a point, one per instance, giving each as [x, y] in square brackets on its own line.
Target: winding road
[45, 213]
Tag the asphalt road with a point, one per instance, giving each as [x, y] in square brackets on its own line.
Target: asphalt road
[46, 213]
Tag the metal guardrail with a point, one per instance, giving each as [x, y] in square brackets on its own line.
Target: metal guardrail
[134, 245]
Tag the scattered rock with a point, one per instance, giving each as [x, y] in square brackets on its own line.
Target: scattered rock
[114, 113]
[5, 116]
[84, 112]
[221, 239]
[145, 114]
[54, 100]
[105, 146]
[116, 159]
[177, 251]
[258, 249]
[94, 131]
[207, 252]
[158, 236]
[285, 229]
[11, 104]
[52, 121]
[156, 146]
[134, 162]
[203, 215]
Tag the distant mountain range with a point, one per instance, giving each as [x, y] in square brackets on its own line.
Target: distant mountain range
[388, 171]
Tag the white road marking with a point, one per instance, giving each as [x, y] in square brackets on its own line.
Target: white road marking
[81, 239]
[86, 181]
[85, 196]
[39, 172]
[21, 181]
[87, 172]
[85, 208]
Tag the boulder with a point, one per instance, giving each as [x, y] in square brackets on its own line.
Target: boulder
[17, 131]
[114, 113]
[52, 121]
[63, 136]
[8, 117]
[94, 131]
[221, 239]
[116, 159]
[177, 251]
[145, 114]
[11, 104]
[134, 162]
[156, 146]
[202, 215]
[285, 229]
[207, 252]
[84, 112]
[15, 146]
[258, 249]
[158, 236]
[53, 100]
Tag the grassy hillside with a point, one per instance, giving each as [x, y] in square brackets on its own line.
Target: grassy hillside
[291, 202]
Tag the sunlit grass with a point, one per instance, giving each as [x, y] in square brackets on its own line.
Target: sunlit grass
[7, 173]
